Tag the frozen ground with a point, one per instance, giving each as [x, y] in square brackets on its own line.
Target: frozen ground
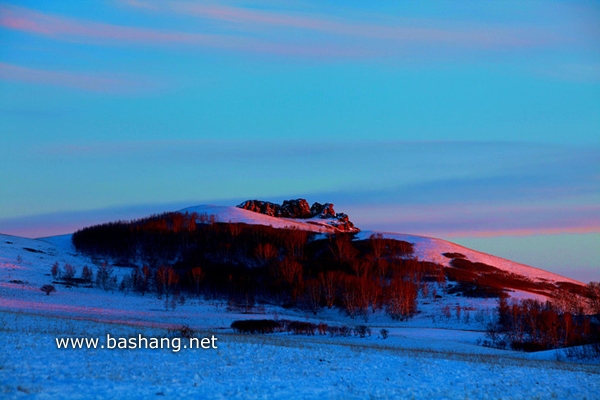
[275, 366]
[430, 356]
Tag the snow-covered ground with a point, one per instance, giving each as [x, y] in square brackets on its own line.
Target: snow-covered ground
[434, 355]
[273, 366]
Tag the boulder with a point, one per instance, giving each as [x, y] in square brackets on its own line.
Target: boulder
[299, 208]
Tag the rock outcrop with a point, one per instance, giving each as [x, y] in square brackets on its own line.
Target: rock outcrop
[300, 209]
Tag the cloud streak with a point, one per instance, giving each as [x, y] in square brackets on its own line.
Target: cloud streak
[287, 34]
[71, 29]
[81, 31]
[456, 220]
[82, 81]
[397, 31]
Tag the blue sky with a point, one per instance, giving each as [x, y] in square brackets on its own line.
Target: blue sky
[477, 122]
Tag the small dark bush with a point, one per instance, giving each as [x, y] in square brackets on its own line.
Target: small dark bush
[494, 338]
[298, 327]
[473, 266]
[528, 347]
[362, 331]
[384, 333]
[322, 328]
[186, 332]
[454, 255]
[345, 331]
[48, 289]
[255, 326]
[475, 290]
[333, 331]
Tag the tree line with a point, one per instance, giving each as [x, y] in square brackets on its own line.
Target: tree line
[534, 325]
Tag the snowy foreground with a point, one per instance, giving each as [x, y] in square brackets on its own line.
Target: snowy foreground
[274, 366]
[431, 356]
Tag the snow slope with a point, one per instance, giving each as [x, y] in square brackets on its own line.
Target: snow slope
[432, 249]
[238, 215]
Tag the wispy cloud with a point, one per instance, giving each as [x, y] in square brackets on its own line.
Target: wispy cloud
[72, 29]
[399, 31]
[485, 220]
[283, 33]
[82, 81]
[82, 31]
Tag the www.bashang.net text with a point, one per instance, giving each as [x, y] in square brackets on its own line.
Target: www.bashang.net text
[136, 342]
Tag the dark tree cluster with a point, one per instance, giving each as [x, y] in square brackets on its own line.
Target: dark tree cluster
[476, 279]
[265, 326]
[244, 263]
[532, 325]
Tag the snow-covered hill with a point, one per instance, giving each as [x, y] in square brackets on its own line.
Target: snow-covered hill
[426, 248]
[60, 249]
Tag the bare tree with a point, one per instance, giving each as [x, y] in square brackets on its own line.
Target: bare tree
[197, 275]
[328, 282]
[290, 272]
[55, 270]
[313, 293]
[104, 276]
[401, 299]
[266, 253]
[342, 248]
[69, 272]
[87, 274]
[166, 280]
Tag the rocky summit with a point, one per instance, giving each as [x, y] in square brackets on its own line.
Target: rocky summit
[300, 209]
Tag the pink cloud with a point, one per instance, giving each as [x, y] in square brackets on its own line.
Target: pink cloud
[82, 81]
[460, 220]
[321, 37]
[523, 231]
[74, 30]
[398, 31]
[70, 29]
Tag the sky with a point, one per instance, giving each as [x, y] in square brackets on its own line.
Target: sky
[475, 122]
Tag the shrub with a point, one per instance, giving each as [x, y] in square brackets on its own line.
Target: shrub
[333, 330]
[362, 331]
[48, 289]
[384, 333]
[454, 255]
[255, 326]
[322, 327]
[494, 338]
[186, 332]
[345, 331]
[298, 327]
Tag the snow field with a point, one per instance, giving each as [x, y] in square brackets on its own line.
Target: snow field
[278, 366]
